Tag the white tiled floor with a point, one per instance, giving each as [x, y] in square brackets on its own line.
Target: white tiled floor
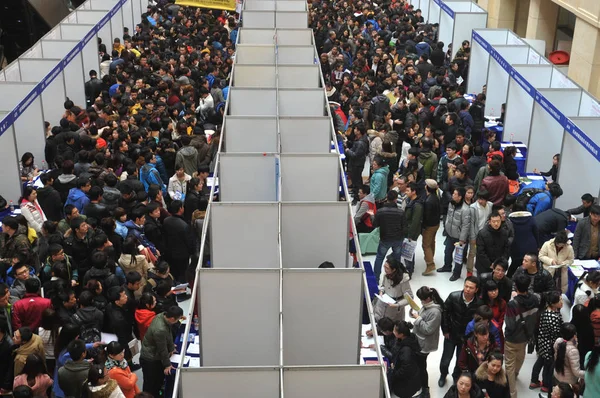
[445, 287]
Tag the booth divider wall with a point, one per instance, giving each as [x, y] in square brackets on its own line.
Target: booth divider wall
[35, 85]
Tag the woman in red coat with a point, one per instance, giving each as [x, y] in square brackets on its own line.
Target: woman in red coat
[118, 369]
[145, 313]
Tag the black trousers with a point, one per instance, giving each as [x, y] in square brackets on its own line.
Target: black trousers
[355, 173]
[422, 363]
[154, 376]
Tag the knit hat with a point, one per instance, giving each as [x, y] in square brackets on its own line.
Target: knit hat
[432, 184]
[443, 101]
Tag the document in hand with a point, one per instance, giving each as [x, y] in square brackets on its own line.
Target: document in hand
[386, 298]
[411, 302]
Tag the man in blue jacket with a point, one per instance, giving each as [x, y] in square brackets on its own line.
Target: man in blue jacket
[543, 201]
[78, 195]
[149, 174]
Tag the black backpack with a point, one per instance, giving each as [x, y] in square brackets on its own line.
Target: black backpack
[525, 196]
[89, 333]
[380, 105]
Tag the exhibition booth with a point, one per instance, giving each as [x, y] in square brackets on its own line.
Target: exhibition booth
[546, 112]
[34, 87]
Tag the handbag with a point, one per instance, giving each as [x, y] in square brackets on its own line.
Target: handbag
[408, 249]
[513, 187]
[459, 253]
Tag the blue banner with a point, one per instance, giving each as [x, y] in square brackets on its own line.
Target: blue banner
[11, 117]
[564, 121]
[444, 7]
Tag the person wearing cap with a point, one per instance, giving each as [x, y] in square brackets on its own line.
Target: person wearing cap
[431, 223]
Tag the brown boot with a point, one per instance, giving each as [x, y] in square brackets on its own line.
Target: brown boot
[430, 270]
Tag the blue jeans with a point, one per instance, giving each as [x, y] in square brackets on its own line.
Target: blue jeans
[382, 250]
[449, 252]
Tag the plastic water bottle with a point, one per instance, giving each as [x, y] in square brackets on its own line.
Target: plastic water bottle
[512, 136]
[492, 113]
[12, 207]
[44, 165]
[196, 322]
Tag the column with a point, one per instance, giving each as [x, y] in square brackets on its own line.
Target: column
[584, 67]
[522, 17]
[542, 21]
[501, 13]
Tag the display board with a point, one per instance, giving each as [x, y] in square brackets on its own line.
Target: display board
[497, 80]
[305, 102]
[315, 301]
[90, 50]
[234, 298]
[577, 161]
[344, 381]
[252, 102]
[481, 43]
[305, 76]
[236, 185]
[254, 227]
[305, 134]
[251, 134]
[230, 382]
[546, 134]
[74, 74]
[254, 76]
[254, 54]
[306, 246]
[295, 37]
[11, 181]
[254, 36]
[296, 55]
[519, 104]
[322, 170]
[464, 23]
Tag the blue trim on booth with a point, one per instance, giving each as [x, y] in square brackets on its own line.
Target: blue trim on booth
[538, 97]
[12, 117]
[445, 8]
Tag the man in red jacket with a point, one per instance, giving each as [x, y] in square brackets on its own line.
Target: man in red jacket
[28, 311]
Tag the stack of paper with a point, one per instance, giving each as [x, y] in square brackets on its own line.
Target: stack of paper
[367, 341]
[194, 363]
[368, 353]
[587, 264]
[176, 358]
[386, 298]
[193, 349]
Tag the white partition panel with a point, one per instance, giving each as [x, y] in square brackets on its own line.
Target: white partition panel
[249, 298]
[446, 30]
[255, 54]
[90, 50]
[434, 13]
[291, 6]
[34, 51]
[480, 58]
[299, 76]
[291, 19]
[589, 106]
[54, 94]
[255, 229]
[347, 381]
[259, 5]
[321, 169]
[93, 17]
[10, 179]
[307, 302]
[129, 17]
[74, 73]
[497, 80]
[306, 102]
[2, 77]
[252, 102]
[116, 24]
[296, 55]
[229, 382]
[560, 80]
[303, 245]
[254, 76]
[235, 184]
[546, 134]
[12, 72]
[519, 104]
[464, 23]
[251, 134]
[255, 36]
[305, 134]
[579, 169]
[259, 19]
[295, 37]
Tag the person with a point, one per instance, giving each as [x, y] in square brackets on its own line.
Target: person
[485, 314]
[392, 230]
[540, 280]
[492, 243]
[594, 311]
[149, 174]
[49, 198]
[100, 385]
[510, 165]
[587, 200]
[496, 184]
[78, 195]
[592, 374]
[378, 182]
[132, 260]
[526, 237]
[491, 297]
[396, 284]
[543, 201]
[566, 356]
[93, 88]
[431, 223]
[521, 322]
[587, 288]
[465, 387]
[178, 184]
[585, 332]
[457, 225]
[586, 240]
[27, 343]
[427, 323]
[548, 331]
[48, 331]
[553, 172]
[558, 252]
[357, 155]
[118, 369]
[563, 390]
[414, 219]
[179, 240]
[551, 222]
[28, 311]
[13, 242]
[144, 314]
[480, 212]
[404, 375]
[31, 209]
[157, 348]
[459, 308]
[34, 376]
[476, 347]
[118, 319]
[73, 374]
[362, 218]
[491, 378]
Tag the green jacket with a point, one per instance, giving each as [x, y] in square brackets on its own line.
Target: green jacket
[429, 161]
[379, 183]
[158, 341]
[414, 218]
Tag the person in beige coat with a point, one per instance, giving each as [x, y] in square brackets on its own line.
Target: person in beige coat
[132, 260]
[558, 251]
[28, 343]
[396, 283]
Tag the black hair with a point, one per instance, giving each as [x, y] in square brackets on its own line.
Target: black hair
[133, 277]
[521, 283]
[68, 333]
[403, 327]
[26, 333]
[76, 349]
[146, 300]
[567, 332]
[174, 311]
[385, 324]
[425, 293]
[397, 276]
[114, 348]
[32, 285]
[114, 293]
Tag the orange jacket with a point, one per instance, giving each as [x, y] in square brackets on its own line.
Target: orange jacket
[143, 318]
[126, 380]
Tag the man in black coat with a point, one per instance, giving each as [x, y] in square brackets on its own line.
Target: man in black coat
[459, 309]
[391, 221]
[93, 88]
[179, 241]
[492, 243]
[49, 199]
[550, 222]
[96, 209]
[356, 155]
[118, 319]
[498, 275]
[540, 280]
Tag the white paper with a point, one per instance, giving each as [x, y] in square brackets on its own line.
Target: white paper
[587, 263]
[386, 298]
[194, 363]
[108, 337]
[364, 329]
[176, 358]
[535, 177]
[368, 353]
[577, 270]
[193, 349]
[367, 341]
[183, 286]
[196, 339]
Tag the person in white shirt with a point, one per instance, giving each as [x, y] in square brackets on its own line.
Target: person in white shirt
[480, 212]
[178, 184]
[587, 288]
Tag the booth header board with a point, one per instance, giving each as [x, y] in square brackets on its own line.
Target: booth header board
[563, 120]
[11, 117]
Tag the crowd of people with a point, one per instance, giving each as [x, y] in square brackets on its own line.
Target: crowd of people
[118, 221]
